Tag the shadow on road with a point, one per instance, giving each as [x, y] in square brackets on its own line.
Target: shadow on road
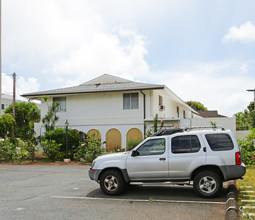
[176, 193]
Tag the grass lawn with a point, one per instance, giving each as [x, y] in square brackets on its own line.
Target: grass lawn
[244, 186]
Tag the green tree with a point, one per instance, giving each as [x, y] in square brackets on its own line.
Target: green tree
[246, 120]
[251, 106]
[51, 118]
[7, 124]
[26, 114]
[198, 106]
[243, 120]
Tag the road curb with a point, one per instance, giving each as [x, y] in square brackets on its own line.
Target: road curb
[231, 202]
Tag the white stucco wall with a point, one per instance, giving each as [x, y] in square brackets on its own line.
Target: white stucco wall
[242, 134]
[101, 111]
[170, 101]
[104, 111]
[226, 123]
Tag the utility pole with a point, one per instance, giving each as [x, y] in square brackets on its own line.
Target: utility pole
[252, 90]
[14, 99]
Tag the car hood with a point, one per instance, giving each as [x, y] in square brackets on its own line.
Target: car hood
[121, 155]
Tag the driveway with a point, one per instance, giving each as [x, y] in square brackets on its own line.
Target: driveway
[66, 192]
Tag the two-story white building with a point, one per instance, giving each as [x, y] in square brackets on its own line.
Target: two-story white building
[119, 109]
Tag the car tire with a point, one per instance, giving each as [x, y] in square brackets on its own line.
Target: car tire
[112, 182]
[207, 184]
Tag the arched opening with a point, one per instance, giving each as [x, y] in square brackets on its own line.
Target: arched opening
[94, 133]
[135, 134]
[113, 139]
[134, 137]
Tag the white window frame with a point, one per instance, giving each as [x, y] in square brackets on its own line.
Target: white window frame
[129, 101]
[62, 103]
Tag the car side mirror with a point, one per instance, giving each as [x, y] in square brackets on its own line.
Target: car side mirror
[135, 153]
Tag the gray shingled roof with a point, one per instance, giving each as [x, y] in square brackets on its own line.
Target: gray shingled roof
[104, 83]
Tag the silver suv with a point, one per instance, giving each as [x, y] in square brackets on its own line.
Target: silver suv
[204, 157]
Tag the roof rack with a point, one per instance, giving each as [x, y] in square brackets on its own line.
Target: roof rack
[167, 131]
[204, 127]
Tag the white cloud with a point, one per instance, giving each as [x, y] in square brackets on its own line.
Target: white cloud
[64, 43]
[27, 85]
[60, 40]
[245, 33]
[22, 85]
[119, 53]
[205, 82]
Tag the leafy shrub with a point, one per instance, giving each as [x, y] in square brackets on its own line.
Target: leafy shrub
[89, 150]
[7, 150]
[59, 136]
[7, 124]
[148, 133]
[132, 143]
[248, 152]
[14, 150]
[51, 149]
[248, 148]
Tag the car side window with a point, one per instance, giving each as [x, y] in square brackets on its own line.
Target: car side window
[219, 142]
[152, 147]
[185, 144]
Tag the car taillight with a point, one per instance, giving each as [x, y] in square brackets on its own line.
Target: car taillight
[238, 158]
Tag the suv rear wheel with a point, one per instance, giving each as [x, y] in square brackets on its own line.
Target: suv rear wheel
[207, 184]
[112, 182]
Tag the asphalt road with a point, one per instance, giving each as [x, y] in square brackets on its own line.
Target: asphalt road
[66, 192]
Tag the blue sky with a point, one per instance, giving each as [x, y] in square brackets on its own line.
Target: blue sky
[202, 50]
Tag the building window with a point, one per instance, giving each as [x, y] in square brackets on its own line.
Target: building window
[2, 106]
[62, 103]
[178, 112]
[130, 101]
[184, 114]
[160, 100]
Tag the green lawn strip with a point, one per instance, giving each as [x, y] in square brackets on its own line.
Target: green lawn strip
[246, 196]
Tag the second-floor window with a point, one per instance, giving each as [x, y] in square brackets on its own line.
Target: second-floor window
[62, 103]
[160, 100]
[178, 112]
[130, 101]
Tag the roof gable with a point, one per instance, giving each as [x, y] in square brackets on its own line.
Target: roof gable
[105, 79]
[104, 83]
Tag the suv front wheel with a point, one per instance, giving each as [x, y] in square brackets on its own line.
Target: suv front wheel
[112, 182]
[207, 184]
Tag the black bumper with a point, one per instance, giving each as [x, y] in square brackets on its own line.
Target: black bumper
[233, 172]
[93, 175]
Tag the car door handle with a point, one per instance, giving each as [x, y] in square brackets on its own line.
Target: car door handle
[162, 158]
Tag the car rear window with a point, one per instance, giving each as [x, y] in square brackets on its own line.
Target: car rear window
[219, 142]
